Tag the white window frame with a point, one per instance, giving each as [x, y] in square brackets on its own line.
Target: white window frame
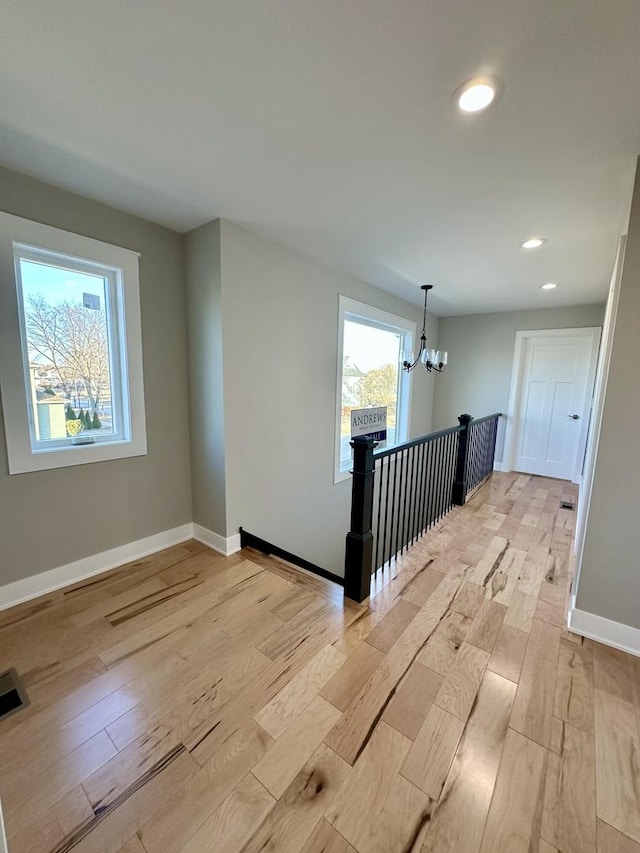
[22, 238]
[349, 309]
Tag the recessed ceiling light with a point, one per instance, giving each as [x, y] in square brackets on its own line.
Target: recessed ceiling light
[548, 286]
[476, 95]
[533, 243]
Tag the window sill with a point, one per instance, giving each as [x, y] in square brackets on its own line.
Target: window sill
[77, 454]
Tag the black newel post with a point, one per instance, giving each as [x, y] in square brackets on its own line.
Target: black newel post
[459, 494]
[359, 549]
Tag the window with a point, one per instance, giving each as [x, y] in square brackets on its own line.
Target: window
[370, 347]
[70, 348]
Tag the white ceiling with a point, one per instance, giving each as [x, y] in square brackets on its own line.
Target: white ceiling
[327, 125]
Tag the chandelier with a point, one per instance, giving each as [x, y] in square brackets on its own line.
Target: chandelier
[432, 360]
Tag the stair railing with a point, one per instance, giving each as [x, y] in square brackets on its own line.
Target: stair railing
[399, 493]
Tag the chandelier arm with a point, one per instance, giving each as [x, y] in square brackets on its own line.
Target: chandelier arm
[428, 365]
[408, 366]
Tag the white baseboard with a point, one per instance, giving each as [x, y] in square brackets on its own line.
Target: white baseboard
[224, 546]
[501, 466]
[3, 837]
[45, 582]
[49, 581]
[615, 634]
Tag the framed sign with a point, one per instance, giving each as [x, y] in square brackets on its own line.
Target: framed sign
[369, 422]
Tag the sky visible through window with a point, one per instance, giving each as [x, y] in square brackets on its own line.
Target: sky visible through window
[59, 285]
[368, 347]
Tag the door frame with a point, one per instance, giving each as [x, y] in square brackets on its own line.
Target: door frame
[512, 430]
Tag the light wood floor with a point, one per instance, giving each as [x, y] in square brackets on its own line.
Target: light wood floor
[194, 703]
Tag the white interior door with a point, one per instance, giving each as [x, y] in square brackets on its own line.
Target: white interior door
[555, 383]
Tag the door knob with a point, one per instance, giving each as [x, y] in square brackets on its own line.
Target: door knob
[574, 417]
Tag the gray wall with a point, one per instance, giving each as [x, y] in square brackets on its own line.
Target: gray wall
[280, 331]
[480, 346]
[609, 580]
[204, 313]
[49, 518]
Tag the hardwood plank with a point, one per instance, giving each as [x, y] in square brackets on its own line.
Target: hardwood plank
[226, 586]
[508, 653]
[46, 832]
[133, 845]
[555, 613]
[617, 763]
[423, 587]
[611, 671]
[111, 603]
[612, 841]
[283, 761]
[483, 631]
[342, 688]
[326, 840]
[24, 804]
[169, 830]
[234, 821]
[468, 599]
[409, 706]
[114, 827]
[289, 702]
[387, 631]
[533, 707]
[442, 647]
[144, 605]
[569, 815]
[394, 805]
[469, 786]
[573, 701]
[294, 632]
[291, 823]
[196, 694]
[521, 611]
[514, 815]
[26, 756]
[293, 604]
[490, 561]
[205, 740]
[530, 577]
[351, 734]
[460, 687]
[49, 690]
[429, 759]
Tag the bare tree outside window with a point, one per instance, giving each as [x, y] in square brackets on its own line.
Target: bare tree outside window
[74, 340]
[67, 338]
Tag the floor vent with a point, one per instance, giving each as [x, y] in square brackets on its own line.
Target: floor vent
[567, 505]
[13, 696]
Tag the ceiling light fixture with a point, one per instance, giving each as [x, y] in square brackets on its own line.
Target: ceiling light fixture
[548, 286]
[477, 94]
[432, 360]
[533, 243]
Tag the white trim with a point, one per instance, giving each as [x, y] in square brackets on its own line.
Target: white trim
[227, 546]
[49, 581]
[501, 466]
[597, 406]
[510, 435]
[394, 323]
[606, 631]
[3, 837]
